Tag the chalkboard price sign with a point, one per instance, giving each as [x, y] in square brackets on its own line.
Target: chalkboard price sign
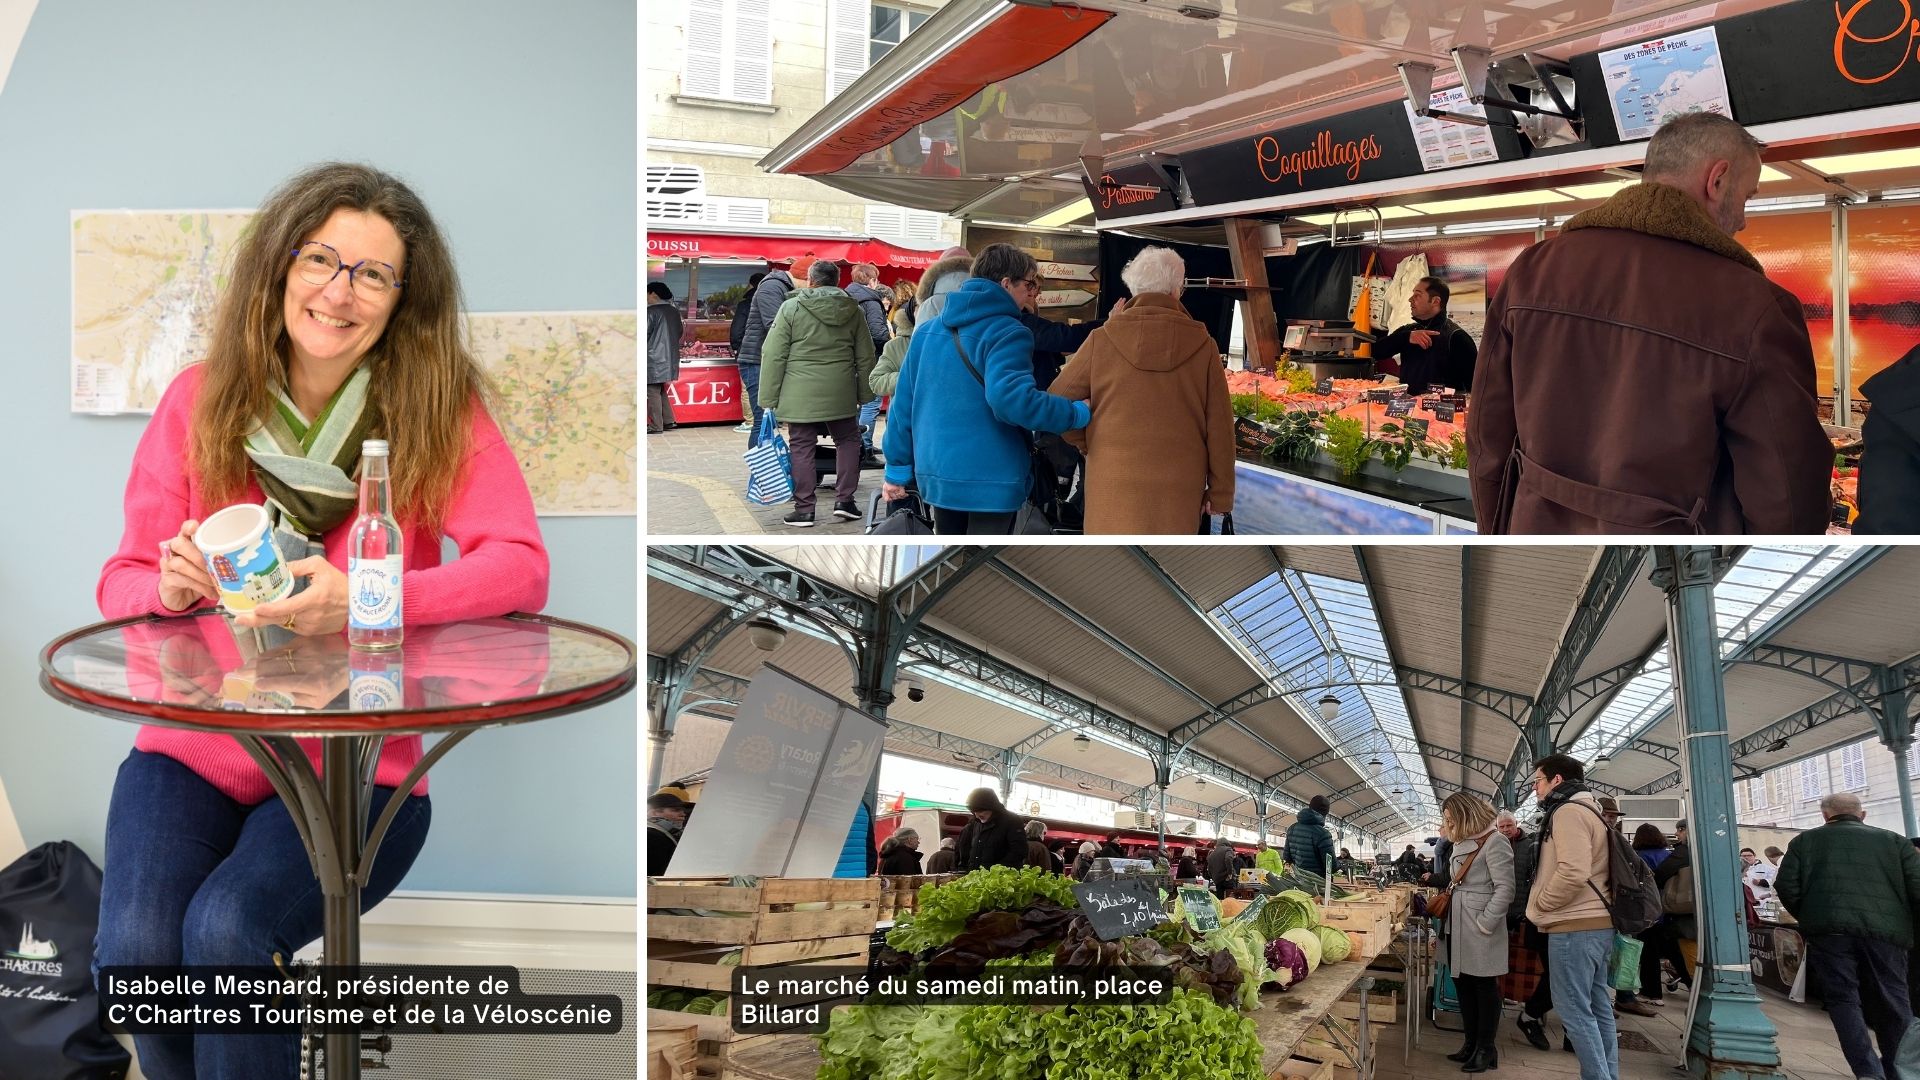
[1443, 410]
[1417, 429]
[1380, 395]
[1324, 386]
[1400, 406]
[1120, 908]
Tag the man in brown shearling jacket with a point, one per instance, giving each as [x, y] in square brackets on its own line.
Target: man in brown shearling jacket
[1640, 374]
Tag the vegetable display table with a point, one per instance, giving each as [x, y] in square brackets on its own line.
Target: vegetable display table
[272, 691]
[1287, 1017]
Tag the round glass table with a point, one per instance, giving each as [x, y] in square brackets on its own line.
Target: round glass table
[271, 691]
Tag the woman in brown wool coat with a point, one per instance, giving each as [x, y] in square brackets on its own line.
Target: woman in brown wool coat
[1160, 448]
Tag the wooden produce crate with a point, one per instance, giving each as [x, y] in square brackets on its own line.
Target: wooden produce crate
[900, 893]
[1382, 1008]
[782, 922]
[1320, 1050]
[1302, 1069]
[671, 1051]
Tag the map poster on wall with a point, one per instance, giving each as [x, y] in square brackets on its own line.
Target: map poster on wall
[144, 285]
[144, 288]
[568, 383]
[1649, 82]
[1445, 144]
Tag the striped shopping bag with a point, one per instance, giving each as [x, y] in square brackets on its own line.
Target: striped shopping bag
[769, 468]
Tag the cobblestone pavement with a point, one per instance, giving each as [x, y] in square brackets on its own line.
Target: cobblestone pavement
[697, 482]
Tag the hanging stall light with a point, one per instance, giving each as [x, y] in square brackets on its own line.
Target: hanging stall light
[1081, 742]
[1329, 708]
[765, 634]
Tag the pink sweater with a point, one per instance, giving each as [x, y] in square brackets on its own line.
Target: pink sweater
[502, 568]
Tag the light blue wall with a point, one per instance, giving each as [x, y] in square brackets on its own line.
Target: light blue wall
[515, 122]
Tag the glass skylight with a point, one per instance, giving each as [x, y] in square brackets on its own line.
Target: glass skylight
[1289, 618]
[1766, 583]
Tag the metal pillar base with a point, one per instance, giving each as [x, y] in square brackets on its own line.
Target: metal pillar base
[1732, 1039]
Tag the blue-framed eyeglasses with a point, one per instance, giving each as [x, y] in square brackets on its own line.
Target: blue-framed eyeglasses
[319, 263]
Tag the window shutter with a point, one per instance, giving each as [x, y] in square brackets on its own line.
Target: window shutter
[1810, 780]
[848, 24]
[1853, 768]
[752, 51]
[705, 49]
[886, 222]
[923, 228]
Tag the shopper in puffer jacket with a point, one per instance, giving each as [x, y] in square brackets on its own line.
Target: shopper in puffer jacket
[940, 280]
[772, 291]
[966, 401]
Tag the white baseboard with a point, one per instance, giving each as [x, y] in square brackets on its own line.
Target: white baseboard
[553, 932]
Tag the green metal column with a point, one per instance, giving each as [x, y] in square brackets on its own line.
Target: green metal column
[1731, 1037]
[1896, 733]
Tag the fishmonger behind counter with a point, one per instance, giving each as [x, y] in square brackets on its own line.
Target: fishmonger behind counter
[1432, 349]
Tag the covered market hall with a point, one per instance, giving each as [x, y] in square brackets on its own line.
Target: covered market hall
[1199, 691]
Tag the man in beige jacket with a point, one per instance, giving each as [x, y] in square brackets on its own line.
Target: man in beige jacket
[1568, 904]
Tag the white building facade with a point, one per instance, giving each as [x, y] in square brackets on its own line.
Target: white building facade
[727, 80]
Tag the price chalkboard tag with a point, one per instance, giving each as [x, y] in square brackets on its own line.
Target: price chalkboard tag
[1202, 908]
[1416, 429]
[1250, 915]
[1400, 406]
[1119, 907]
[1443, 410]
[1382, 394]
[1324, 386]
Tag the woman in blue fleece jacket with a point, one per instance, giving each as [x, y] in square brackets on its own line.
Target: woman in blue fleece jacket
[960, 437]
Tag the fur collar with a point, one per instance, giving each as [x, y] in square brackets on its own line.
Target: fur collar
[1660, 210]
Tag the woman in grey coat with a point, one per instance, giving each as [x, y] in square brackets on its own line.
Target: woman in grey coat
[1474, 932]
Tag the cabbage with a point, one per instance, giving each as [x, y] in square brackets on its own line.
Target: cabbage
[1335, 945]
[1244, 943]
[1288, 911]
[1288, 962]
[1309, 943]
[1306, 899]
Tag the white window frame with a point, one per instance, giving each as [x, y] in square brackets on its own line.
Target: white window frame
[728, 51]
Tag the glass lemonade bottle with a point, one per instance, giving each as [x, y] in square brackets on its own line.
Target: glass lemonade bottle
[374, 557]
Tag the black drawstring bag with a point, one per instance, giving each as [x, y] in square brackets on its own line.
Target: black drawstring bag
[49, 1014]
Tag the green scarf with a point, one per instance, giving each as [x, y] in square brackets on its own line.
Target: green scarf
[307, 468]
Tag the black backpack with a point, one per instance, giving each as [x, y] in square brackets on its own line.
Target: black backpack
[1635, 900]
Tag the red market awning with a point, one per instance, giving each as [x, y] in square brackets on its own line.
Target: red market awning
[1017, 40]
[856, 249]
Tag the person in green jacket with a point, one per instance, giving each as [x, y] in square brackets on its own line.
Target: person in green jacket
[1267, 859]
[814, 371]
[1855, 891]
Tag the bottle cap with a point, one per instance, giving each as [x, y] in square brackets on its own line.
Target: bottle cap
[374, 448]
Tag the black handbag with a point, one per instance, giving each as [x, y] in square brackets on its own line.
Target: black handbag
[49, 1014]
[1206, 525]
[1032, 518]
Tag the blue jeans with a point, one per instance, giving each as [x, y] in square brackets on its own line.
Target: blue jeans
[194, 878]
[1577, 964]
[750, 381]
[869, 415]
[1841, 970]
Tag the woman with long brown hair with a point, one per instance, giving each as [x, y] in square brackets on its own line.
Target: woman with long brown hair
[340, 322]
[1474, 929]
